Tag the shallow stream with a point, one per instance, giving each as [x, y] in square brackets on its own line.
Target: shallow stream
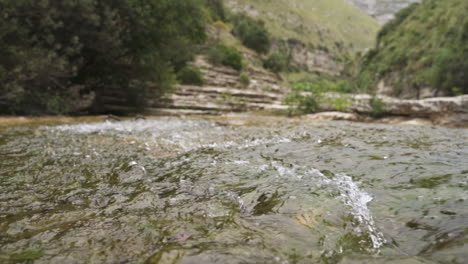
[240, 189]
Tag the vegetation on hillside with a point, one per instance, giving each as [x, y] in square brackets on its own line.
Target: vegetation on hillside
[53, 51]
[332, 25]
[426, 45]
[252, 33]
[278, 62]
[190, 75]
[221, 54]
[305, 97]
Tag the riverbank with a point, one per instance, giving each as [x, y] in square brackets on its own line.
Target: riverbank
[239, 119]
[440, 111]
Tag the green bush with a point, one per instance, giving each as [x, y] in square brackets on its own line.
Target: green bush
[306, 96]
[252, 33]
[56, 105]
[277, 62]
[190, 75]
[378, 107]
[216, 9]
[323, 86]
[302, 104]
[341, 103]
[244, 79]
[223, 55]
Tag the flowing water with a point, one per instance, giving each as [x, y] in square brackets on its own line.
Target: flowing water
[241, 189]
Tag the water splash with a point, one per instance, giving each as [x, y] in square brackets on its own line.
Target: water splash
[189, 135]
[350, 194]
[358, 200]
[174, 134]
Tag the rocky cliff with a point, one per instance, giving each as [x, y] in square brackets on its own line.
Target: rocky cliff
[382, 10]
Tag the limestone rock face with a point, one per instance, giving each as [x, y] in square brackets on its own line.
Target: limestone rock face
[382, 10]
[314, 60]
[386, 87]
[224, 91]
[427, 107]
[440, 110]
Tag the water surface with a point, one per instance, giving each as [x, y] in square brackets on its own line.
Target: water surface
[239, 189]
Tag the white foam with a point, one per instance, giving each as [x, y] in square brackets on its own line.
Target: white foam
[173, 134]
[358, 200]
[350, 194]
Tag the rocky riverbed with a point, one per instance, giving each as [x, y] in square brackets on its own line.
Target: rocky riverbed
[231, 189]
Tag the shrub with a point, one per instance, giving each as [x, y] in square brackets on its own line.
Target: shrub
[216, 9]
[323, 86]
[252, 33]
[56, 105]
[276, 62]
[190, 75]
[378, 107]
[302, 104]
[341, 103]
[244, 79]
[228, 56]
[306, 96]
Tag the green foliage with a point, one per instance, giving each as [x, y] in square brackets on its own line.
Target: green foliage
[323, 86]
[56, 105]
[334, 25]
[216, 9]
[190, 75]
[48, 48]
[300, 103]
[425, 46]
[277, 62]
[223, 55]
[378, 107]
[341, 103]
[244, 79]
[252, 33]
[307, 96]
[396, 22]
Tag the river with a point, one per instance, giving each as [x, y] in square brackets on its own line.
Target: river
[235, 189]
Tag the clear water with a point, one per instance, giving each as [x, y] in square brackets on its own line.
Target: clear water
[239, 189]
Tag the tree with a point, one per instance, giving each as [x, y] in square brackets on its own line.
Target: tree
[51, 49]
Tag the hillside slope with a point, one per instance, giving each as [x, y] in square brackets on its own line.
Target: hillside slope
[332, 24]
[382, 10]
[318, 33]
[423, 52]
